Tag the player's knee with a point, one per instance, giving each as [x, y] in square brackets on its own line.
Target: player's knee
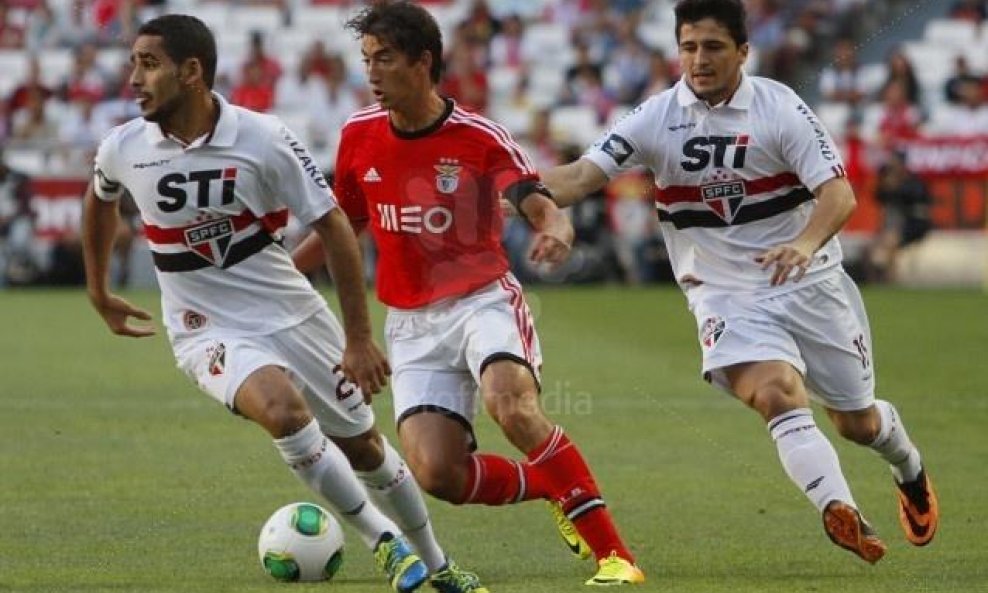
[861, 427]
[442, 480]
[512, 407]
[282, 416]
[777, 395]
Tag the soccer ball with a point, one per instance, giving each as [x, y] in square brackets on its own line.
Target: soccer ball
[301, 542]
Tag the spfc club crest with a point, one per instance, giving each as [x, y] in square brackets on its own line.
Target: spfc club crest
[448, 178]
[211, 240]
[712, 330]
[723, 195]
[217, 359]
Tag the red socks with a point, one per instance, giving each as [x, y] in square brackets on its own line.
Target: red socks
[555, 470]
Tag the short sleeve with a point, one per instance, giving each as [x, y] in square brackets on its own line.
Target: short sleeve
[507, 162]
[106, 185]
[806, 146]
[295, 177]
[620, 148]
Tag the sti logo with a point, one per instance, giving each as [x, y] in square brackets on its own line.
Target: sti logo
[724, 198]
[700, 149]
[211, 240]
[173, 188]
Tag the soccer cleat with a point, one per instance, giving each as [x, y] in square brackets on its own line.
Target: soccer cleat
[847, 528]
[615, 570]
[919, 510]
[453, 579]
[406, 572]
[574, 541]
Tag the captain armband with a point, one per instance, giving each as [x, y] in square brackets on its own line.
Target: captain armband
[516, 194]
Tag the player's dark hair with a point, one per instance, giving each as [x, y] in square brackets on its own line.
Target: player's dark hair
[407, 27]
[184, 37]
[729, 13]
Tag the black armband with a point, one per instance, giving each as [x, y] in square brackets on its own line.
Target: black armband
[516, 193]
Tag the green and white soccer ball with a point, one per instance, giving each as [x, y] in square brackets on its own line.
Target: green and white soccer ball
[301, 542]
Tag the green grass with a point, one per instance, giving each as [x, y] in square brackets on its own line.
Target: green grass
[116, 475]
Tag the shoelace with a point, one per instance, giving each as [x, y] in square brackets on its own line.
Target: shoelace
[460, 578]
[384, 556]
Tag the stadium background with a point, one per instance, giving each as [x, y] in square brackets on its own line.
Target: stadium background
[882, 75]
[117, 476]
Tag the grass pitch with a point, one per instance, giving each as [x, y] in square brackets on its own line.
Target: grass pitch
[117, 475]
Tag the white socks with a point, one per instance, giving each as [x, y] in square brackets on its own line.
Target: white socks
[320, 464]
[808, 458]
[893, 444]
[394, 490]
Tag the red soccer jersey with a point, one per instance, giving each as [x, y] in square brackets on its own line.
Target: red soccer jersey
[431, 199]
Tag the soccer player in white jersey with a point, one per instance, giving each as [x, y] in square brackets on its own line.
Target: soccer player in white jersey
[751, 192]
[214, 184]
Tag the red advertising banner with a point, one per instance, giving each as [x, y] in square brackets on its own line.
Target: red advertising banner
[57, 206]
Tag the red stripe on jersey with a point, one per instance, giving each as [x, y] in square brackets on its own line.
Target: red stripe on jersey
[526, 329]
[271, 222]
[693, 193]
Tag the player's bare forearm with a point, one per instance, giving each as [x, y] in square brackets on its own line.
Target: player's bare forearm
[339, 244]
[99, 224]
[835, 203]
[554, 230]
[309, 254]
[572, 182]
[363, 362]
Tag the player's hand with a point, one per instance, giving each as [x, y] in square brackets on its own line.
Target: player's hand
[365, 364]
[791, 260]
[552, 243]
[116, 312]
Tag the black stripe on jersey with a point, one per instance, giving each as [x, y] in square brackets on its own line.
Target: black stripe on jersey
[685, 219]
[105, 184]
[189, 260]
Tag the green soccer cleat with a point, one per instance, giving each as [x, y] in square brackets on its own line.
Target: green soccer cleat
[406, 571]
[615, 570]
[574, 541]
[453, 579]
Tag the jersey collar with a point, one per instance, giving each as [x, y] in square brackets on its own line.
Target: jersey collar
[741, 99]
[223, 135]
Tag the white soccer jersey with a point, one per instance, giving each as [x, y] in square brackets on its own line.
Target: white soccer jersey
[213, 214]
[733, 180]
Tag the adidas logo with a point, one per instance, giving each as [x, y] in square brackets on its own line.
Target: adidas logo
[372, 176]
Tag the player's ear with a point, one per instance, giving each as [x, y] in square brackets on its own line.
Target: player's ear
[743, 50]
[190, 72]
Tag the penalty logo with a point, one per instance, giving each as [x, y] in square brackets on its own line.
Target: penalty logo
[711, 331]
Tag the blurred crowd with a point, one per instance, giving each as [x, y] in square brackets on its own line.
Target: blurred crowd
[555, 72]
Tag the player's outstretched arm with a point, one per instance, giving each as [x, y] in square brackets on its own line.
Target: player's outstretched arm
[99, 224]
[363, 361]
[835, 203]
[574, 181]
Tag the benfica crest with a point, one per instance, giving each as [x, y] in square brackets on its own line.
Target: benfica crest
[211, 240]
[448, 178]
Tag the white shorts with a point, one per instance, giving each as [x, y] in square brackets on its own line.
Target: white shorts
[821, 330]
[310, 353]
[438, 352]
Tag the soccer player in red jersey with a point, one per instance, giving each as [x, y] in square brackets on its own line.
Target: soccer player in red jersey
[426, 177]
